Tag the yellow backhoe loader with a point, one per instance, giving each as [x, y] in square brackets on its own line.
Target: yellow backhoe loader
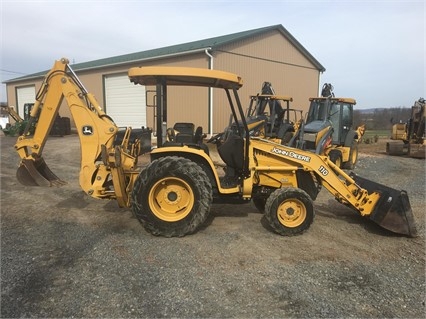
[173, 194]
[328, 129]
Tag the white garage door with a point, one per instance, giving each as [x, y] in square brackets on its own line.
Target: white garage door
[125, 102]
[25, 95]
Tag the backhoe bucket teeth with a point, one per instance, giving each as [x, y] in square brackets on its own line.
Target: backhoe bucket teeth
[393, 210]
[36, 173]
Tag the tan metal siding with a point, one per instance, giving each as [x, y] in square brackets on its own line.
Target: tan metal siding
[269, 58]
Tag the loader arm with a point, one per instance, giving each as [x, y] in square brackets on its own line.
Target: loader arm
[106, 169]
[387, 207]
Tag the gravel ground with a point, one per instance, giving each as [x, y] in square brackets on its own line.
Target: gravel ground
[64, 254]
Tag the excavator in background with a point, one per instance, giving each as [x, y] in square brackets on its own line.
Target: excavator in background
[409, 138]
[328, 129]
[172, 194]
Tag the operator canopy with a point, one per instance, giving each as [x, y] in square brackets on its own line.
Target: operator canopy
[184, 76]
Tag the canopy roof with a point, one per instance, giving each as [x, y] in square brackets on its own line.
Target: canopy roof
[184, 76]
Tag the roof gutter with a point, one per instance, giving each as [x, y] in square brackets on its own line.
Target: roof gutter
[206, 51]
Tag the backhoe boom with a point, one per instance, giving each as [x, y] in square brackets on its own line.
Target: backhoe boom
[101, 157]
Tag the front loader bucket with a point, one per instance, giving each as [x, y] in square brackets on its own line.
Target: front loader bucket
[393, 210]
[36, 173]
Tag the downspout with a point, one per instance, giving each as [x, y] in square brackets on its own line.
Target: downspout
[210, 94]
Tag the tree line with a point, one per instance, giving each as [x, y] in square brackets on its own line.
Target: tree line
[381, 119]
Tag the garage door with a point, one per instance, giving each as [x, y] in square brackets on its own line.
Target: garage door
[125, 102]
[24, 95]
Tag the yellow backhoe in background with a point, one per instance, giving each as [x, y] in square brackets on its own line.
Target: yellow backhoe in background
[173, 194]
[268, 116]
[328, 129]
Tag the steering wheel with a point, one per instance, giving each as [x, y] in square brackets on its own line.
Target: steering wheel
[215, 138]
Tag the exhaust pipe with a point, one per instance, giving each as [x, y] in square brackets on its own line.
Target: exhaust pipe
[393, 210]
[37, 173]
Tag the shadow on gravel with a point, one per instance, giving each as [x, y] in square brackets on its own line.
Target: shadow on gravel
[74, 200]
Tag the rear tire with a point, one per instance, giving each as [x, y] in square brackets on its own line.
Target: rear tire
[172, 197]
[289, 211]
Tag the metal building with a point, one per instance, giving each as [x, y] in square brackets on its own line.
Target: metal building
[266, 54]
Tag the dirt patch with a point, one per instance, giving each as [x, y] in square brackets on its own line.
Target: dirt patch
[64, 254]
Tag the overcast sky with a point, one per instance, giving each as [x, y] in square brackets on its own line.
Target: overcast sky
[373, 51]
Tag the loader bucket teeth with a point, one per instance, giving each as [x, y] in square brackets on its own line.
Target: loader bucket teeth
[36, 173]
[393, 210]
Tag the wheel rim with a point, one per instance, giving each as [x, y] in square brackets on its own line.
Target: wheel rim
[171, 199]
[292, 213]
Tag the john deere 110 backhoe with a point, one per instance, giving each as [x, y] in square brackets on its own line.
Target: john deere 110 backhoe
[173, 194]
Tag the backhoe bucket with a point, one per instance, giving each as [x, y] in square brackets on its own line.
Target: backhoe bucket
[36, 173]
[393, 210]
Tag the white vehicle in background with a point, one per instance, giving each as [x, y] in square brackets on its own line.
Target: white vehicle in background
[4, 120]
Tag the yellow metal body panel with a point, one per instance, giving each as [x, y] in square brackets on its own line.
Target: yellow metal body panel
[276, 160]
[184, 151]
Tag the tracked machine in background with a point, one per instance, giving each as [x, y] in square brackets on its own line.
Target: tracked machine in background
[173, 194]
[409, 138]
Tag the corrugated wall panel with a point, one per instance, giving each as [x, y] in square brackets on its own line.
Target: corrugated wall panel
[268, 58]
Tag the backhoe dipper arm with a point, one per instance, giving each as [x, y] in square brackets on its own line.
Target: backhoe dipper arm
[96, 131]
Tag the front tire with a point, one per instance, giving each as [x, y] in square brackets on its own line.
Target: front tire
[289, 211]
[172, 197]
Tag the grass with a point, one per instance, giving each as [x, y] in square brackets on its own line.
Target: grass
[379, 133]
[373, 136]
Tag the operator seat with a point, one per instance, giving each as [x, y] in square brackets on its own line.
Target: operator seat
[232, 152]
[185, 132]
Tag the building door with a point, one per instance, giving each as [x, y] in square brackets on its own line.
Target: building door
[125, 102]
[24, 95]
